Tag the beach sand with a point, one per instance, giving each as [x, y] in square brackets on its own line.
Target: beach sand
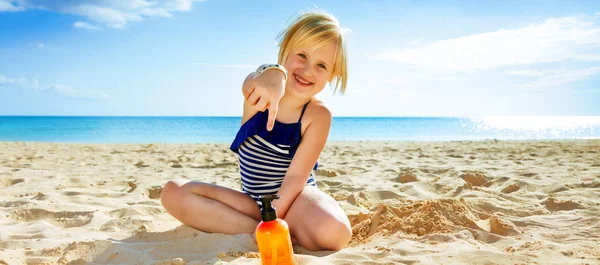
[466, 202]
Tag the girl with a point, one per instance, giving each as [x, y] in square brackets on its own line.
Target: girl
[284, 129]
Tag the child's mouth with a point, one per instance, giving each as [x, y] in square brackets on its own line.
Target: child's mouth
[302, 81]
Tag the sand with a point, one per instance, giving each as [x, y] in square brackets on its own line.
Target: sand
[468, 202]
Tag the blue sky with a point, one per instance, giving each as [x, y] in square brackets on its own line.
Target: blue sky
[407, 58]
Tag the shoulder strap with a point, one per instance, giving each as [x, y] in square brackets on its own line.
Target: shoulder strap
[303, 109]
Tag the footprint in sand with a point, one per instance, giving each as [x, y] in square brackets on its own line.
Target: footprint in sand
[6, 182]
[63, 219]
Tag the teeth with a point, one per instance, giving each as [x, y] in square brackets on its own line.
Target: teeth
[298, 78]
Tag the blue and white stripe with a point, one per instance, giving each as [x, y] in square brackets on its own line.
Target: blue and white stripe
[263, 166]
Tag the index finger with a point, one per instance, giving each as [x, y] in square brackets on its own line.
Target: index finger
[273, 107]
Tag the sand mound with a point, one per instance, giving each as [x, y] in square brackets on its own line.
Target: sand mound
[360, 200]
[502, 227]
[406, 176]
[474, 178]
[510, 188]
[418, 218]
[154, 192]
[556, 205]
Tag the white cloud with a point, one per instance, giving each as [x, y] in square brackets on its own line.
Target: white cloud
[22, 82]
[61, 90]
[555, 78]
[112, 13]
[35, 84]
[527, 73]
[553, 40]
[587, 57]
[111, 17]
[83, 25]
[6, 5]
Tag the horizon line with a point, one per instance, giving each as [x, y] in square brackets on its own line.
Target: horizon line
[227, 116]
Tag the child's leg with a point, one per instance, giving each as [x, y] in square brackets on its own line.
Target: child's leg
[318, 222]
[211, 208]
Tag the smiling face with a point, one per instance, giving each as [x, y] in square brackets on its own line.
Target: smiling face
[310, 68]
[313, 51]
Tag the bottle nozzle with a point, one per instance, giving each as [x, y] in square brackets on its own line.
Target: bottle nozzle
[268, 212]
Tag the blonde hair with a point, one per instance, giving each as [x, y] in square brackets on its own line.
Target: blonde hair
[316, 28]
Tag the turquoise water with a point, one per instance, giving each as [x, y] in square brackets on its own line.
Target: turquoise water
[223, 129]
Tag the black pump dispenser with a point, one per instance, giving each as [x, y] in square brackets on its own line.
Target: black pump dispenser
[268, 213]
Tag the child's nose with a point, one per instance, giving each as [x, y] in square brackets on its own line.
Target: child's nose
[306, 69]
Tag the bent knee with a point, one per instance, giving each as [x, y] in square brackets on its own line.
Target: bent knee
[333, 234]
[171, 196]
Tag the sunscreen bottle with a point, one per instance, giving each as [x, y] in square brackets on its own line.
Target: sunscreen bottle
[273, 236]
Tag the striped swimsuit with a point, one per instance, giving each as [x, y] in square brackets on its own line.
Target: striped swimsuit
[264, 156]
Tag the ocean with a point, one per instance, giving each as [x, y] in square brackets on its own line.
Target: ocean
[223, 129]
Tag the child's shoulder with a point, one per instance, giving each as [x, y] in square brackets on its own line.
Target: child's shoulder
[317, 111]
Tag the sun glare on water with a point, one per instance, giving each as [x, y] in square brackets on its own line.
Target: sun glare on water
[540, 127]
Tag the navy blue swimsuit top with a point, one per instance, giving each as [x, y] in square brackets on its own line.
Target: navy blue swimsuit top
[264, 156]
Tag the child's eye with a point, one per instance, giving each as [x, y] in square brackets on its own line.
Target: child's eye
[302, 55]
[322, 66]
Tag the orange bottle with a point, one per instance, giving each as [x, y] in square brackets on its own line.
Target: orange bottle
[273, 236]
